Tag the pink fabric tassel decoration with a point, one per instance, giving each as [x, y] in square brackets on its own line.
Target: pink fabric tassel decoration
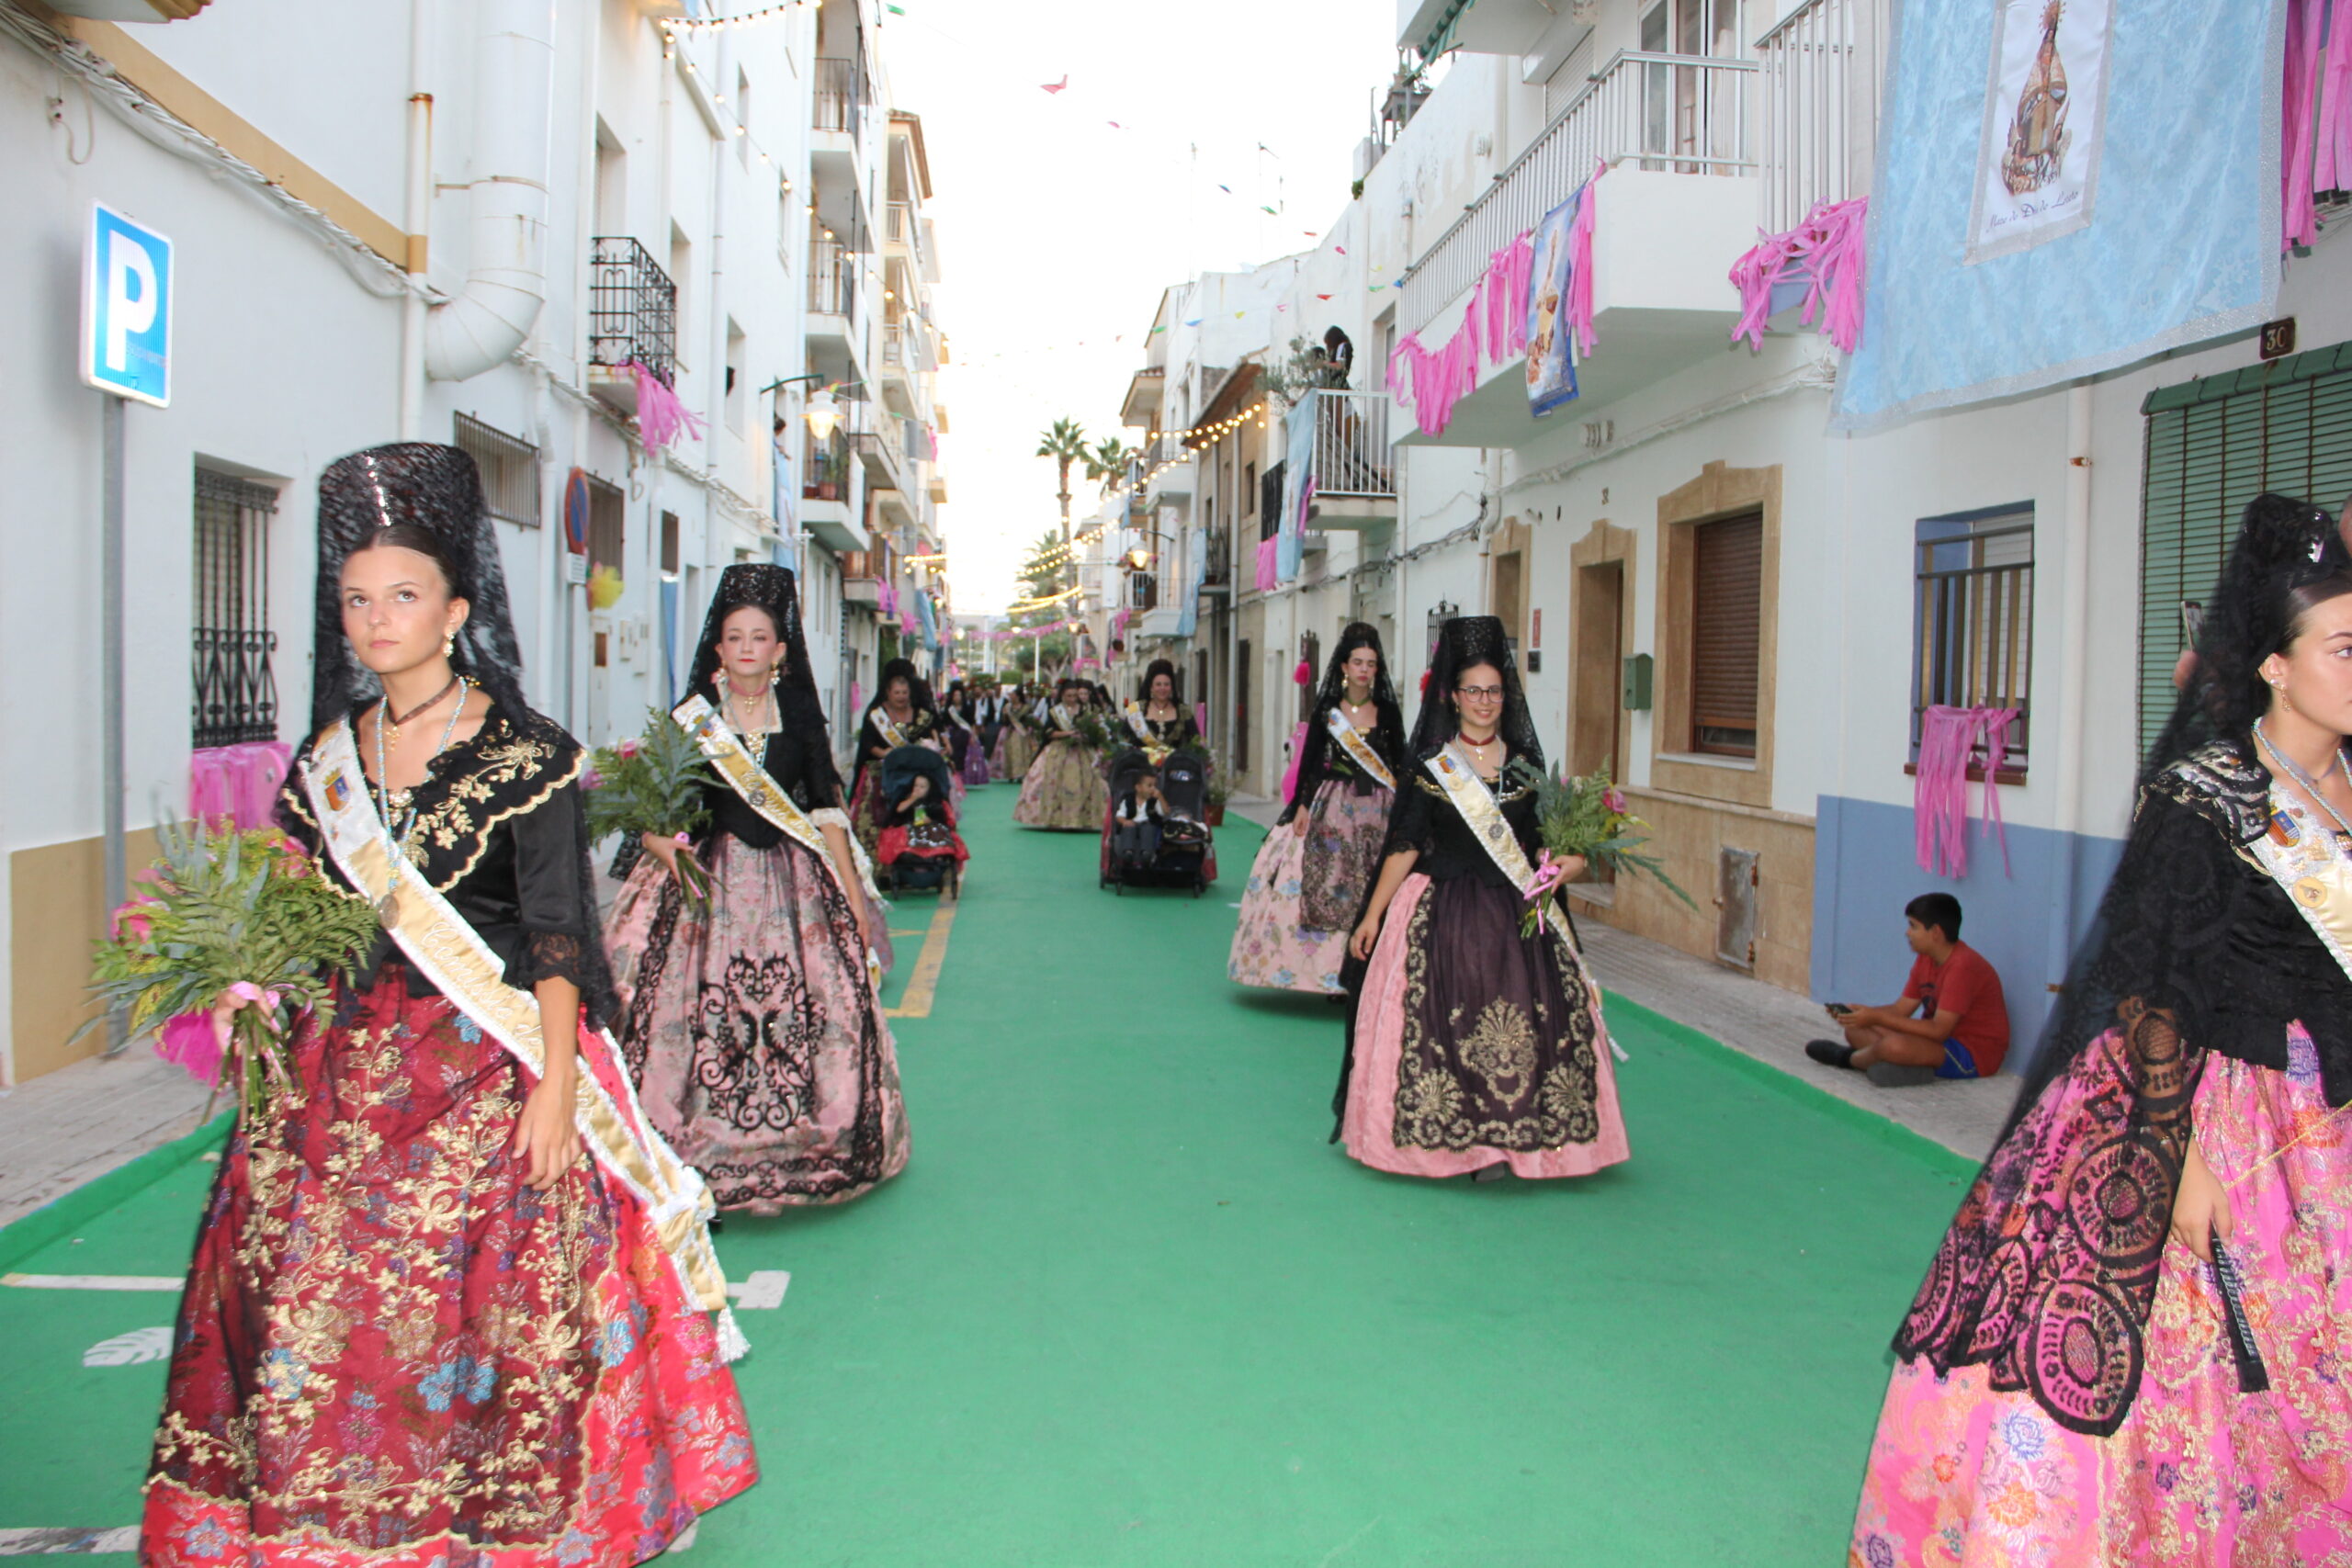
[1269, 577]
[1828, 253]
[1581, 263]
[187, 1041]
[2299, 133]
[2332, 171]
[237, 783]
[1949, 739]
[661, 417]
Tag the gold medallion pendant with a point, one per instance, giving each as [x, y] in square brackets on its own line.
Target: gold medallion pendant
[388, 911]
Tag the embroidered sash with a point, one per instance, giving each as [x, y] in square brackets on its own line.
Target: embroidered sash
[1360, 750]
[1059, 718]
[2305, 859]
[888, 728]
[751, 782]
[448, 951]
[1137, 722]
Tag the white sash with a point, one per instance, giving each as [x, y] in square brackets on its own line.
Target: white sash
[1059, 717]
[1137, 722]
[888, 728]
[450, 954]
[1460, 780]
[751, 782]
[2314, 869]
[1358, 748]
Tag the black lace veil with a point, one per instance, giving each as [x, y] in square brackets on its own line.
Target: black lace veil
[1461, 642]
[1155, 670]
[2047, 1274]
[1387, 733]
[435, 488]
[802, 714]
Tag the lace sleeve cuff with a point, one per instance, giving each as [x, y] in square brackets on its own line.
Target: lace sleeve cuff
[551, 956]
[830, 817]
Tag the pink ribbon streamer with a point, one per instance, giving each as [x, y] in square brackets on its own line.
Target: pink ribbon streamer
[1828, 253]
[1581, 263]
[661, 417]
[187, 1041]
[1494, 327]
[2316, 110]
[1949, 740]
[238, 784]
[1269, 572]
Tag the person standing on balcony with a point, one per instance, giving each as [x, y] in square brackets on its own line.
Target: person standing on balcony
[2127, 1351]
[902, 714]
[1312, 872]
[1064, 790]
[452, 1305]
[1475, 1041]
[803, 1107]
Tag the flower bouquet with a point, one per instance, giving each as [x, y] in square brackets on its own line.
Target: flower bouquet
[1585, 816]
[652, 784]
[1092, 733]
[243, 913]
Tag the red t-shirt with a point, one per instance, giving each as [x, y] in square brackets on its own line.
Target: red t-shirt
[1966, 985]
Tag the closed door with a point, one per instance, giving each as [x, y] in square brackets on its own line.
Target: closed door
[1598, 682]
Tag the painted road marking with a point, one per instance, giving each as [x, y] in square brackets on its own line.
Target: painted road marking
[130, 1350]
[29, 1542]
[94, 1281]
[761, 1289]
[924, 981]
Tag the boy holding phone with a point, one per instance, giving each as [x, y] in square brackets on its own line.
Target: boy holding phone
[1952, 1021]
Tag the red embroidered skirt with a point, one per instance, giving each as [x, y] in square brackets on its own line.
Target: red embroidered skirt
[392, 1350]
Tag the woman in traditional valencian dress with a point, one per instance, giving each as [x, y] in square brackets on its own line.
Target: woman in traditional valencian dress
[1476, 1046]
[450, 1307]
[752, 1027]
[902, 714]
[1016, 742]
[2129, 1350]
[1308, 883]
[1064, 789]
[1155, 721]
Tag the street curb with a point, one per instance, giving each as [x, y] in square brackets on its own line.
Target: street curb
[69, 1212]
[1878, 1129]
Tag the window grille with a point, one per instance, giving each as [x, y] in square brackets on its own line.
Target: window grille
[1972, 620]
[510, 470]
[670, 547]
[2213, 446]
[236, 688]
[1726, 633]
[1270, 502]
[608, 537]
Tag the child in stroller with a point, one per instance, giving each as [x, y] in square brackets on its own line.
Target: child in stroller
[1154, 832]
[919, 847]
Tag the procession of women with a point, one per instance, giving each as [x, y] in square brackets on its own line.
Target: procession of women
[458, 1264]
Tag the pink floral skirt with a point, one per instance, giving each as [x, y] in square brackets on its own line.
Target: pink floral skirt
[759, 1047]
[1063, 790]
[1273, 944]
[1962, 1476]
[1474, 1044]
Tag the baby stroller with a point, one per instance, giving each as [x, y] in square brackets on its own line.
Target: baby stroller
[1178, 854]
[920, 849]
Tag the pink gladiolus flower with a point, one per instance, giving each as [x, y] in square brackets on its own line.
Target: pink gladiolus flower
[590, 779]
[627, 749]
[1615, 800]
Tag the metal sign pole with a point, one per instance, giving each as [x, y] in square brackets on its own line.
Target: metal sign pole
[111, 678]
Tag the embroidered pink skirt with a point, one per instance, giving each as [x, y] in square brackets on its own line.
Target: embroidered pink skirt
[1475, 1044]
[1962, 1476]
[1304, 890]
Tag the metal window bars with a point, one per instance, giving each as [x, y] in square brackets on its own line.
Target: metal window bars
[633, 309]
[1973, 621]
[1824, 65]
[232, 647]
[832, 278]
[510, 470]
[840, 96]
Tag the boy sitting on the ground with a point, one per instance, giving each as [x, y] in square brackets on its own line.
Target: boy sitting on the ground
[1951, 1022]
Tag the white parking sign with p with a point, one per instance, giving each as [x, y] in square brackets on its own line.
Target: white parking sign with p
[127, 308]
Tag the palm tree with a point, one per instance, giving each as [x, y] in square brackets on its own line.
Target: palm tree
[1107, 463]
[1064, 444]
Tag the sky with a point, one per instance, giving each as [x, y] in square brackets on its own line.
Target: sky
[1061, 217]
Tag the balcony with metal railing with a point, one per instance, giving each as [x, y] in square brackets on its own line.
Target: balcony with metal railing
[838, 102]
[1823, 70]
[1351, 463]
[1678, 202]
[632, 319]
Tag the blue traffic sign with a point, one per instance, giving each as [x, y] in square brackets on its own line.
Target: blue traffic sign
[127, 308]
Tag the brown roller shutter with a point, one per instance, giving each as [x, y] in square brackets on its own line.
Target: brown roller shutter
[1727, 631]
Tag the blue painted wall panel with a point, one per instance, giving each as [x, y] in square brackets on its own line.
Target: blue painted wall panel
[1866, 868]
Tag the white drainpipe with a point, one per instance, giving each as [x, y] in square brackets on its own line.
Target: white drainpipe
[514, 77]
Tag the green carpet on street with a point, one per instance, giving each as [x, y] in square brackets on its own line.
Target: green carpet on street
[1127, 1308]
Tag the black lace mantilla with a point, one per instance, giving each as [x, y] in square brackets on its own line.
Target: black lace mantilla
[2047, 1275]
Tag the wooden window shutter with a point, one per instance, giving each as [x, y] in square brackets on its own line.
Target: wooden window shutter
[1726, 633]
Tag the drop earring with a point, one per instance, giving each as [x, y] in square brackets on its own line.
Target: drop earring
[449, 643]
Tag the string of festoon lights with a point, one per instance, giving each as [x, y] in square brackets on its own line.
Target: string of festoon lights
[674, 25]
[1055, 555]
[1206, 434]
[1038, 604]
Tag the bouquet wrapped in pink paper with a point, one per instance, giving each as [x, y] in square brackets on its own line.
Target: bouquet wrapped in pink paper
[237, 913]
